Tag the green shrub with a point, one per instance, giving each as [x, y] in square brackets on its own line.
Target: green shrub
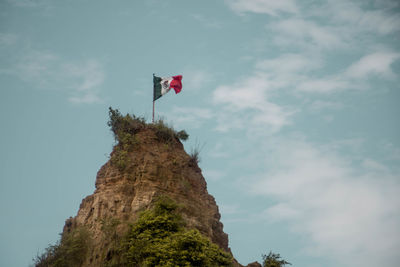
[158, 238]
[70, 251]
[182, 135]
[119, 158]
[167, 134]
[163, 132]
[273, 260]
[122, 125]
[194, 157]
[109, 228]
[195, 154]
[124, 129]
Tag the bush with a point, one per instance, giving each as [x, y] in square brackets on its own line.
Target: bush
[158, 238]
[123, 125]
[70, 251]
[273, 260]
[195, 154]
[163, 132]
[182, 135]
[119, 159]
[109, 229]
[124, 129]
[194, 157]
[167, 134]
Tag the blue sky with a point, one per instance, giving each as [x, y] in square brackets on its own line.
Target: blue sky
[294, 103]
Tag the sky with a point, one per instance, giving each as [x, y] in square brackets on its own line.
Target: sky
[294, 105]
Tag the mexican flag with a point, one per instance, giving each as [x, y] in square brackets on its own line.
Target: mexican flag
[162, 85]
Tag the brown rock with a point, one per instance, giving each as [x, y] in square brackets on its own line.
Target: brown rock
[155, 168]
[254, 264]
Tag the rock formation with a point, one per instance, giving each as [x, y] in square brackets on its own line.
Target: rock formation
[153, 168]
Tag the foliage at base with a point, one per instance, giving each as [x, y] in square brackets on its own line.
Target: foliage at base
[273, 260]
[182, 135]
[167, 134]
[194, 157]
[125, 129]
[70, 251]
[158, 238]
[126, 126]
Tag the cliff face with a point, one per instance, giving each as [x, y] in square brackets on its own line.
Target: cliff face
[154, 168]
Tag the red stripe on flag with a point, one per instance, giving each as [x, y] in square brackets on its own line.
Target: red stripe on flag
[176, 83]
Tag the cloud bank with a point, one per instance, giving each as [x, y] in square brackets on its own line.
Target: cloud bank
[350, 214]
[344, 203]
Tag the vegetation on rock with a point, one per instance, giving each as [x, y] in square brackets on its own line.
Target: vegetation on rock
[194, 156]
[158, 238]
[70, 251]
[125, 129]
[109, 229]
[273, 260]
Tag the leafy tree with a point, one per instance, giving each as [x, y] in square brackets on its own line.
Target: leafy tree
[109, 228]
[124, 127]
[70, 251]
[273, 260]
[158, 238]
[182, 135]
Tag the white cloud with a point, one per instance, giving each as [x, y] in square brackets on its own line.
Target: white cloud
[29, 3]
[324, 85]
[351, 214]
[381, 20]
[249, 93]
[193, 116]
[321, 104]
[196, 79]
[89, 73]
[81, 80]
[376, 63]
[374, 166]
[247, 102]
[347, 26]
[88, 77]
[228, 209]
[219, 151]
[296, 71]
[302, 72]
[86, 98]
[207, 21]
[38, 67]
[213, 175]
[281, 211]
[270, 7]
[391, 151]
[290, 63]
[346, 204]
[304, 33]
[7, 39]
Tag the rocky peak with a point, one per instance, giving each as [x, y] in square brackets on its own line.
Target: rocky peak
[153, 164]
[152, 168]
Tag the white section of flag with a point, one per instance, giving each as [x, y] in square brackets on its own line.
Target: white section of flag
[165, 83]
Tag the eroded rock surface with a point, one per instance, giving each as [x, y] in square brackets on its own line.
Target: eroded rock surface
[154, 168]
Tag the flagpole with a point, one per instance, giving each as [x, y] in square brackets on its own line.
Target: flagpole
[153, 110]
[153, 96]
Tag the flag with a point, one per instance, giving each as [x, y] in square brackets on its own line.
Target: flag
[162, 85]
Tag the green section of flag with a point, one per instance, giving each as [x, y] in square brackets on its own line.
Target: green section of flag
[156, 87]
